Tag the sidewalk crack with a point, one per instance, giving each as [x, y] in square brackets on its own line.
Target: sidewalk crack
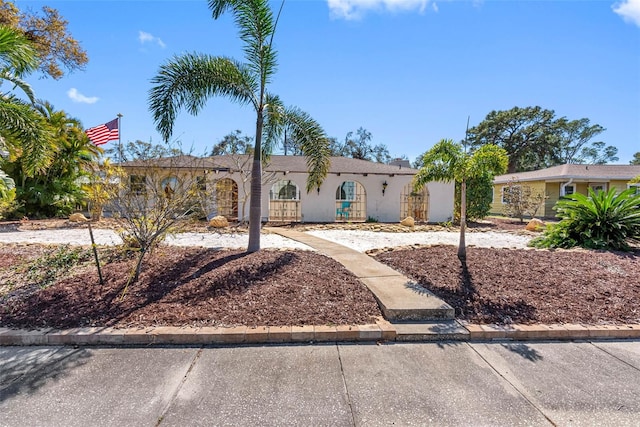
[346, 388]
[174, 395]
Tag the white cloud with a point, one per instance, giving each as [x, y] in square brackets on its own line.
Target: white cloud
[629, 10]
[78, 97]
[355, 9]
[144, 37]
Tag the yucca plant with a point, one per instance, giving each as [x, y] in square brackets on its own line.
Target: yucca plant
[603, 220]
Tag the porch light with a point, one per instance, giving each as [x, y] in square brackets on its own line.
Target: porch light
[318, 189]
[384, 187]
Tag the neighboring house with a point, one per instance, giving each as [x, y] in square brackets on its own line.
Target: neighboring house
[563, 180]
[353, 190]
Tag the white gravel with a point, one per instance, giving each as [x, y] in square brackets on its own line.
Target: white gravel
[365, 240]
[355, 239]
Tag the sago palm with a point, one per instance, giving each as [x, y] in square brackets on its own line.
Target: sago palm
[190, 80]
[603, 220]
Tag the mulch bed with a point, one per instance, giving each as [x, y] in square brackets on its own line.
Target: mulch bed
[199, 287]
[527, 286]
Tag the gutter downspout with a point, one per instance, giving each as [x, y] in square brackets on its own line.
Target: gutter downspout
[562, 188]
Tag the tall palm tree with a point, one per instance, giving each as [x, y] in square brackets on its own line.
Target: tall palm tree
[449, 161]
[189, 80]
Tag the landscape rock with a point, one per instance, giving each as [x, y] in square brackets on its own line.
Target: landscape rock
[77, 217]
[535, 225]
[408, 222]
[218, 222]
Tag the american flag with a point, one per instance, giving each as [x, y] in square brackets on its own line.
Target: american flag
[104, 133]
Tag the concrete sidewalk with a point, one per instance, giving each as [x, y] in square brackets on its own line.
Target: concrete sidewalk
[405, 384]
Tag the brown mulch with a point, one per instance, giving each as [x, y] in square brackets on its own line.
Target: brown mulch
[199, 287]
[527, 286]
[195, 286]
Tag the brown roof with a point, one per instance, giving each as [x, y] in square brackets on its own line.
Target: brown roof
[578, 172]
[278, 163]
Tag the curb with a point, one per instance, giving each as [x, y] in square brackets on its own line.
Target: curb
[551, 332]
[163, 335]
[382, 330]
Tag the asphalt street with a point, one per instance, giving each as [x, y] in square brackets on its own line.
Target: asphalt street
[413, 384]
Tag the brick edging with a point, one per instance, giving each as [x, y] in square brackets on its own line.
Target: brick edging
[550, 332]
[161, 335]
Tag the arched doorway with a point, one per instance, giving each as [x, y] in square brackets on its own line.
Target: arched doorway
[414, 204]
[284, 202]
[227, 198]
[351, 202]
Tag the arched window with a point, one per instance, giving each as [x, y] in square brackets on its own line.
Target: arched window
[351, 202]
[284, 202]
[284, 190]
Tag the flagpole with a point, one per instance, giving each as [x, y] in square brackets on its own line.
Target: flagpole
[120, 139]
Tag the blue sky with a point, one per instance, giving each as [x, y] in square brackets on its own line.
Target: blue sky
[408, 71]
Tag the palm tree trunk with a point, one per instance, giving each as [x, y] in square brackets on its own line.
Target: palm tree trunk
[462, 248]
[255, 202]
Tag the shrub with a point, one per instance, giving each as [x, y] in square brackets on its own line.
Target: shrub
[604, 220]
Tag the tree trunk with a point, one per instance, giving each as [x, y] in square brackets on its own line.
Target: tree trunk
[462, 248]
[255, 202]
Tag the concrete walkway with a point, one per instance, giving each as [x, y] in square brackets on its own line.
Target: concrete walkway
[399, 298]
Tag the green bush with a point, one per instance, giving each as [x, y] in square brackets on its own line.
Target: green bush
[604, 220]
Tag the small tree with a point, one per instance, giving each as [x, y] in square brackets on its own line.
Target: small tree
[520, 200]
[449, 161]
[104, 184]
[158, 195]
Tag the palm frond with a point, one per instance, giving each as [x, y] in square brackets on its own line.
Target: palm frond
[274, 123]
[188, 81]
[28, 129]
[17, 54]
[314, 145]
[19, 83]
[256, 27]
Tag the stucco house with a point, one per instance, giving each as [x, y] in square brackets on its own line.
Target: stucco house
[353, 190]
[558, 181]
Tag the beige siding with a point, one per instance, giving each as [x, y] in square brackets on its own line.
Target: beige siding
[553, 195]
[497, 205]
[620, 186]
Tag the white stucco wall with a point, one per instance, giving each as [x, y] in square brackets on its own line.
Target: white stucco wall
[321, 207]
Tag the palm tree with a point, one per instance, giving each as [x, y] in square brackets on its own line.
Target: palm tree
[21, 126]
[449, 161]
[189, 80]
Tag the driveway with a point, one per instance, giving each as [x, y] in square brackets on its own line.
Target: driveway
[443, 384]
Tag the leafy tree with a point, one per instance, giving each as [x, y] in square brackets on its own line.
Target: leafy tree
[598, 154]
[359, 146]
[572, 143]
[479, 194]
[535, 139]
[189, 80]
[54, 190]
[603, 220]
[103, 185]
[449, 161]
[522, 132]
[233, 143]
[636, 159]
[56, 47]
[141, 150]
